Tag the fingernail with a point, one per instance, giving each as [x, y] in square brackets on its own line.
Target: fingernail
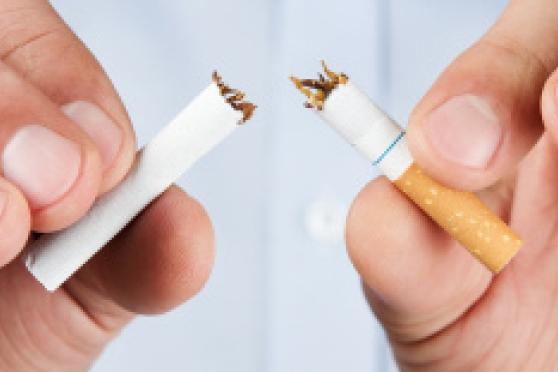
[42, 163]
[464, 130]
[99, 127]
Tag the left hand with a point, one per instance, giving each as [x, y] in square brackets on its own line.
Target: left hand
[159, 261]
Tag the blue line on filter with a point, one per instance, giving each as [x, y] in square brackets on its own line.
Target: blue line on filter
[389, 148]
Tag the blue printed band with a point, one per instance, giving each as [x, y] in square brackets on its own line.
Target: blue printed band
[389, 148]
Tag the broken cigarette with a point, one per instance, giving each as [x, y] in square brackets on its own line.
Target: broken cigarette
[381, 140]
[203, 124]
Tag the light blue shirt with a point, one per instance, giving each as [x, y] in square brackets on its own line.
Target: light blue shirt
[283, 296]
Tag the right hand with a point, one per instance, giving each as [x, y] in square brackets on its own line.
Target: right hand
[479, 128]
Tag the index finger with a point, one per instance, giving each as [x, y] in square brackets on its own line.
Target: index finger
[482, 115]
[49, 55]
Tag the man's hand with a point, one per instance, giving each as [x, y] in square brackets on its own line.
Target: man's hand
[65, 138]
[479, 128]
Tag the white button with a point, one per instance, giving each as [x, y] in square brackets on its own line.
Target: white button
[325, 221]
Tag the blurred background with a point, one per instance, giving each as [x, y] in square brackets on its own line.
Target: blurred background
[283, 295]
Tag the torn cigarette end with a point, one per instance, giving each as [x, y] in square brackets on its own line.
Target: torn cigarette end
[382, 141]
[317, 90]
[235, 98]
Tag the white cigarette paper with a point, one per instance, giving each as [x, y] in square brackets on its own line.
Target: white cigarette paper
[204, 123]
[373, 134]
[382, 141]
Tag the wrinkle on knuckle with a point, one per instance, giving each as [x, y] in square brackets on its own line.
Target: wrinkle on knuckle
[26, 32]
[20, 24]
[30, 52]
[528, 59]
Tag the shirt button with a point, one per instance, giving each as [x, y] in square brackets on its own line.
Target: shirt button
[325, 221]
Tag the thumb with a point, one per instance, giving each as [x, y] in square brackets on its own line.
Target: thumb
[482, 115]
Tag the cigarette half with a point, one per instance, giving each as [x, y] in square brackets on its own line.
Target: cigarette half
[382, 141]
[205, 122]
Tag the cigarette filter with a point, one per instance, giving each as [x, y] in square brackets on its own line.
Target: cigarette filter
[204, 123]
[381, 140]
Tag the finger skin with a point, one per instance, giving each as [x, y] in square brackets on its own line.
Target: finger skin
[549, 106]
[44, 331]
[418, 278]
[22, 105]
[506, 68]
[15, 222]
[508, 327]
[162, 259]
[36, 53]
